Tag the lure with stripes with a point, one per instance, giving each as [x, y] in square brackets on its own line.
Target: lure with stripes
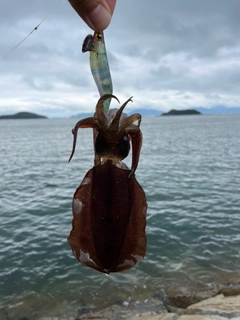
[95, 44]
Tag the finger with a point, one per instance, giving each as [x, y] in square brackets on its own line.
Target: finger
[96, 13]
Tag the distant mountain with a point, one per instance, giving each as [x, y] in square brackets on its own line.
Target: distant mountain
[219, 110]
[22, 115]
[174, 112]
[143, 112]
[153, 112]
[214, 110]
[146, 112]
[82, 115]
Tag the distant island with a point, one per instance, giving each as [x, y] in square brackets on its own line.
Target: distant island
[22, 115]
[148, 112]
[174, 112]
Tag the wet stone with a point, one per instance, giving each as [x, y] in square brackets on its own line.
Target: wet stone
[232, 290]
[182, 297]
[222, 306]
[148, 309]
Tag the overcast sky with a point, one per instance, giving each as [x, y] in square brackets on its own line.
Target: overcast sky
[167, 54]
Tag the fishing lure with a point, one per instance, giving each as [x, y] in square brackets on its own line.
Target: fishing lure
[109, 207]
[99, 64]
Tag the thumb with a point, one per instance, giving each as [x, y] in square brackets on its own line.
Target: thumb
[96, 13]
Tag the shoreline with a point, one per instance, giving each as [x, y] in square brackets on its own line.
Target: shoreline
[201, 302]
[218, 307]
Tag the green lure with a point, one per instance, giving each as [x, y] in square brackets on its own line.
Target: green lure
[99, 64]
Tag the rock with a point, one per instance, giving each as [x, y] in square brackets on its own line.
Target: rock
[232, 290]
[151, 316]
[170, 316]
[182, 297]
[219, 305]
[201, 317]
[150, 309]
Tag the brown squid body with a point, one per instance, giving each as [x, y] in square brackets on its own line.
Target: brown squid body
[109, 207]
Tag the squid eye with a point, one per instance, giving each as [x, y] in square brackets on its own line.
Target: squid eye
[98, 36]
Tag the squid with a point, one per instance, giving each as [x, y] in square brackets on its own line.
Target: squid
[109, 207]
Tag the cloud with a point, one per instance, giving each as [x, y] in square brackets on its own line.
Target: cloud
[167, 54]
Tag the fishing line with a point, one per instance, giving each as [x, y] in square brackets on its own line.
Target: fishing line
[14, 48]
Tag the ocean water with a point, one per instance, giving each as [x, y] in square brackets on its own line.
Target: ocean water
[190, 171]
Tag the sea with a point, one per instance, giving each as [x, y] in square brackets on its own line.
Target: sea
[189, 169]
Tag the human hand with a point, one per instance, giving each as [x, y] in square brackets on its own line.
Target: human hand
[96, 13]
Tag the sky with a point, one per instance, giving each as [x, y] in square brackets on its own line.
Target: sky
[167, 54]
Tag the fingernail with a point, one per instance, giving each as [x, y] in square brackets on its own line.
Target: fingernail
[100, 17]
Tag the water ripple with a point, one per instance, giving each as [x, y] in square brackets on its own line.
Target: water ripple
[190, 171]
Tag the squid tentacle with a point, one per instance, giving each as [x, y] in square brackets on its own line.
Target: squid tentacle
[99, 113]
[136, 136]
[115, 123]
[84, 123]
[130, 120]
